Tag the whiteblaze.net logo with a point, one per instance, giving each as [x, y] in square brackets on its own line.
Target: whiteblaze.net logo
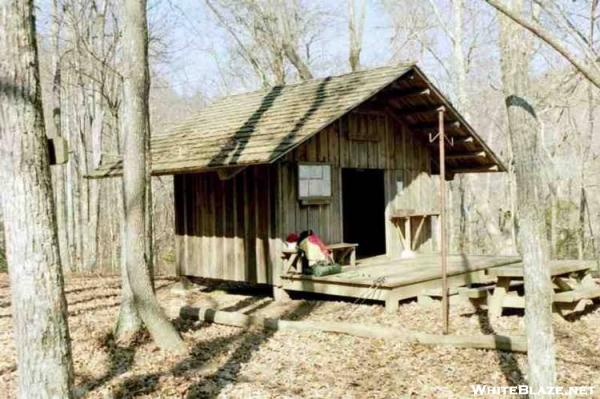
[480, 389]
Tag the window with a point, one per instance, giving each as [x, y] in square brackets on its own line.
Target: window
[314, 182]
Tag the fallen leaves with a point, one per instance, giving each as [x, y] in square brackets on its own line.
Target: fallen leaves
[228, 362]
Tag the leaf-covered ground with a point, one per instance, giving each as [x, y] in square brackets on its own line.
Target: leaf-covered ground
[228, 362]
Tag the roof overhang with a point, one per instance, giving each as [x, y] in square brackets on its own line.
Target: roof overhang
[408, 96]
[415, 101]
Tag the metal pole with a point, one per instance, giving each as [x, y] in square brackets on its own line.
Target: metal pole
[443, 230]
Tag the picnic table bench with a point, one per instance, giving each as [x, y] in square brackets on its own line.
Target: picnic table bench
[573, 283]
[341, 252]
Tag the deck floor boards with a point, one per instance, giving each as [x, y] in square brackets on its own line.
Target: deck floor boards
[402, 272]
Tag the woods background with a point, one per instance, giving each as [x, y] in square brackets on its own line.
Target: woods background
[201, 50]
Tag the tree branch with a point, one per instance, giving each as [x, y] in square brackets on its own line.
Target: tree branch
[442, 24]
[540, 32]
[288, 43]
[244, 51]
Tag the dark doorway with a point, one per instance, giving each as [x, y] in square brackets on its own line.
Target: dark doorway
[363, 204]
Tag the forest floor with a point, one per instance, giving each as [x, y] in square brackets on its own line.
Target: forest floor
[229, 362]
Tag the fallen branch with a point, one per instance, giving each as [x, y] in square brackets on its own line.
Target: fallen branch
[494, 342]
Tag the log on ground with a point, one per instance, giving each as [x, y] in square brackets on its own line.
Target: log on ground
[236, 319]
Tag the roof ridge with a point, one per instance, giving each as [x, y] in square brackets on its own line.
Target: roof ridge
[402, 65]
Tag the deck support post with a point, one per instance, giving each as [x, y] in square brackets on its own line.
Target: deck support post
[280, 295]
[392, 303]
[443, 229]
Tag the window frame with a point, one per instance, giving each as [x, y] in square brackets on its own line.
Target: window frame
[315, 199]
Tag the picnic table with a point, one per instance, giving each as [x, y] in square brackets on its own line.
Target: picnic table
[574, 286]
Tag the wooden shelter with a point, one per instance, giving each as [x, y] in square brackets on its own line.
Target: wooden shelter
[351, 157]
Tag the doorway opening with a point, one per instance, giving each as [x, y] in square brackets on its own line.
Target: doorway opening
[363, 202]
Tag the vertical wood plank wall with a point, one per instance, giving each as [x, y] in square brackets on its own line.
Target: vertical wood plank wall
[233, 229]
[226, 229]
[402, 155]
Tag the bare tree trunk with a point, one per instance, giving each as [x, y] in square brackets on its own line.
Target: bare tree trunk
[554, 225]
[356, 23]
[459, 57]
[129, 322]
[588, 143]
[581, 224]
[297, 62]
[97, 33]
[136, 81]
[82, 131]
[59, 170]
[71, 186]
[38, 303]
[245, 52]
[461, 184]
[289, 42]
[149, 239]
[525, 137]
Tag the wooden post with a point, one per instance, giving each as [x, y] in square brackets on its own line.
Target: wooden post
[443, 230]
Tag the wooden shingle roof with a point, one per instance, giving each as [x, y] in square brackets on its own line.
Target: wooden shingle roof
[261, 126]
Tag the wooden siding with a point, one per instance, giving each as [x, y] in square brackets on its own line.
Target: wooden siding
[226, 229]
[234, 229]
[382, 143]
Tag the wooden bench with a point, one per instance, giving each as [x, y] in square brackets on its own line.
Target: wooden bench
[340, 252]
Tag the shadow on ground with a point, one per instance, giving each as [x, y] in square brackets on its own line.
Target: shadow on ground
[506, 360]
[120, 361]
[203, 358]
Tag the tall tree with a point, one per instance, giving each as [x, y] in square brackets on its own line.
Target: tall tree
[59, 171]
[287, 15]
[269, 33]
[588, 66]
[129, 322]
[356, 23]
[135, 116]
[38, 303]
[525, 137]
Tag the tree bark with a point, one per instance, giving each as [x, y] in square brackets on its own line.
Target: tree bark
[149, 211]
[136, 82]
[289, 43]
[525, 140]
[59, 170]
[460, 72]
[129, 323]
[554, 224]
[297, 62]
[38, 303]
[355, 28]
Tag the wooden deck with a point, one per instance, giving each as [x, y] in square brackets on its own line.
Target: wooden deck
[394, 280]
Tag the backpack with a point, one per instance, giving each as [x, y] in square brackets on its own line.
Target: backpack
[313, 250]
